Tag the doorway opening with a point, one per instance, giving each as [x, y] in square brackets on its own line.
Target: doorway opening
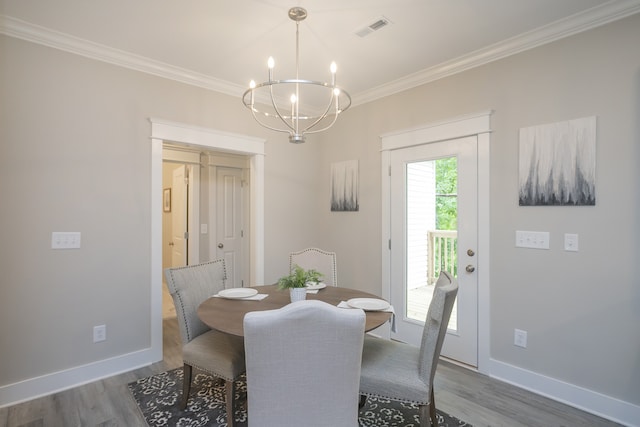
[178, 208]
[209, 140]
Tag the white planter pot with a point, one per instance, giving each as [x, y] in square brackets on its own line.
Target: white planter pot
[298, 294]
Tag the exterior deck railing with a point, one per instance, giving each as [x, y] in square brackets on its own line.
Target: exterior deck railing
[442, 253]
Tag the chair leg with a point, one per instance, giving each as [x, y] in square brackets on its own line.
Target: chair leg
[363, 400]
[186, 385]
[432, 409]
[423, 414]
[230, 389]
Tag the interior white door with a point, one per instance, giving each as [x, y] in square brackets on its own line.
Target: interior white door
[229, 221]
[179, 194]
[414, 219]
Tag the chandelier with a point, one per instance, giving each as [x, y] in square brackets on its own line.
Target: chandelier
[293, 116]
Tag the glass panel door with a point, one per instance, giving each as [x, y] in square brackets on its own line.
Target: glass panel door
[434, 226]
[432, 231]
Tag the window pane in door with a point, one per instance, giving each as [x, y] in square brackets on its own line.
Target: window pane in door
[432, 222]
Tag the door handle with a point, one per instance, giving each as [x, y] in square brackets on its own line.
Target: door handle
[470, 252]
[171, 243]
[220, 246]
[470, 268]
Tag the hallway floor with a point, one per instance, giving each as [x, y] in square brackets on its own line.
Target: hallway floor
[168, 309]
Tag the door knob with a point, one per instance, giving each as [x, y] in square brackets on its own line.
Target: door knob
[220, 246]
[171, 243]
[470, 268]
[470, 252]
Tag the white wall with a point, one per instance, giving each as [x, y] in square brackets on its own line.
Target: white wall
[74, 156]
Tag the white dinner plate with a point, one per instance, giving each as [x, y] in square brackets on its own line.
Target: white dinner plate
[319, 285]
[368, 304]
[235, 293]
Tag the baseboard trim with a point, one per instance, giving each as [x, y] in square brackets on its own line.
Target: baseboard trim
[32, 388]
[616, 410]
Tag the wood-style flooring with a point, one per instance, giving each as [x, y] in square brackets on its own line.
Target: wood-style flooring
[460, 392]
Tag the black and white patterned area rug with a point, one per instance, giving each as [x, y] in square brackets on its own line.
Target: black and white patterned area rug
[158, 398]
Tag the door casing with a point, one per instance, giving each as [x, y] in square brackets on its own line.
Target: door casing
[478, 124]
[183, 134]
[460, 344]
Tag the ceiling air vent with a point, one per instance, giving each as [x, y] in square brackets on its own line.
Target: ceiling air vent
[374, 26]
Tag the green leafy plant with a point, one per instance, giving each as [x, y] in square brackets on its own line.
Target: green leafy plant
[298, 278]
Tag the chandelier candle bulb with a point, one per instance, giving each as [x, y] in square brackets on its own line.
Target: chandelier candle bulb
[252, 85]
[333, 69]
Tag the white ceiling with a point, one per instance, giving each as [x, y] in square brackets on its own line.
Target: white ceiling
[223, 44]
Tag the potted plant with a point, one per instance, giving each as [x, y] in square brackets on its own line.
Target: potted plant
[297, 281]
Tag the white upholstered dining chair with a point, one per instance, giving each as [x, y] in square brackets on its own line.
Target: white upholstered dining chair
[402, 372]
[319, 260]
[217, 353]
[303, 365]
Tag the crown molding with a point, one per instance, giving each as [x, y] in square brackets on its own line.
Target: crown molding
[592, 18]
[17, 28]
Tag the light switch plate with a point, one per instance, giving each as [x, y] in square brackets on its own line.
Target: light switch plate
[532, 239]
[65, 240]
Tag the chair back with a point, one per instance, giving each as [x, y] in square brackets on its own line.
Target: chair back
[436, 324]
[319, 260]
[303, 365]
[189, 286]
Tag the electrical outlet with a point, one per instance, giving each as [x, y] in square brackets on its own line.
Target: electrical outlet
[520, 338]
[571, 242]
[99, 333]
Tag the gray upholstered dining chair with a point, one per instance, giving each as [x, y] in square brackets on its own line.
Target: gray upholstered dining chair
[319, 260]
[402, 372]
[217, 353]
[303, 365]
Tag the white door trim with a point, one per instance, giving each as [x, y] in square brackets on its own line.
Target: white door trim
[473, 124]
[163, 130]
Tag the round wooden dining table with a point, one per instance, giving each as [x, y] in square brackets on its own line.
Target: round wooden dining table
[227, 315]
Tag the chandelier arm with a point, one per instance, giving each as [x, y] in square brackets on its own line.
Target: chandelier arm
[324, 115]
[253, 113]
[335, 117]
[272, 128]
[337, 112]
[277, 110]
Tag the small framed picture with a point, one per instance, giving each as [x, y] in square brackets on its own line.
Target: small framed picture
[166, 200]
